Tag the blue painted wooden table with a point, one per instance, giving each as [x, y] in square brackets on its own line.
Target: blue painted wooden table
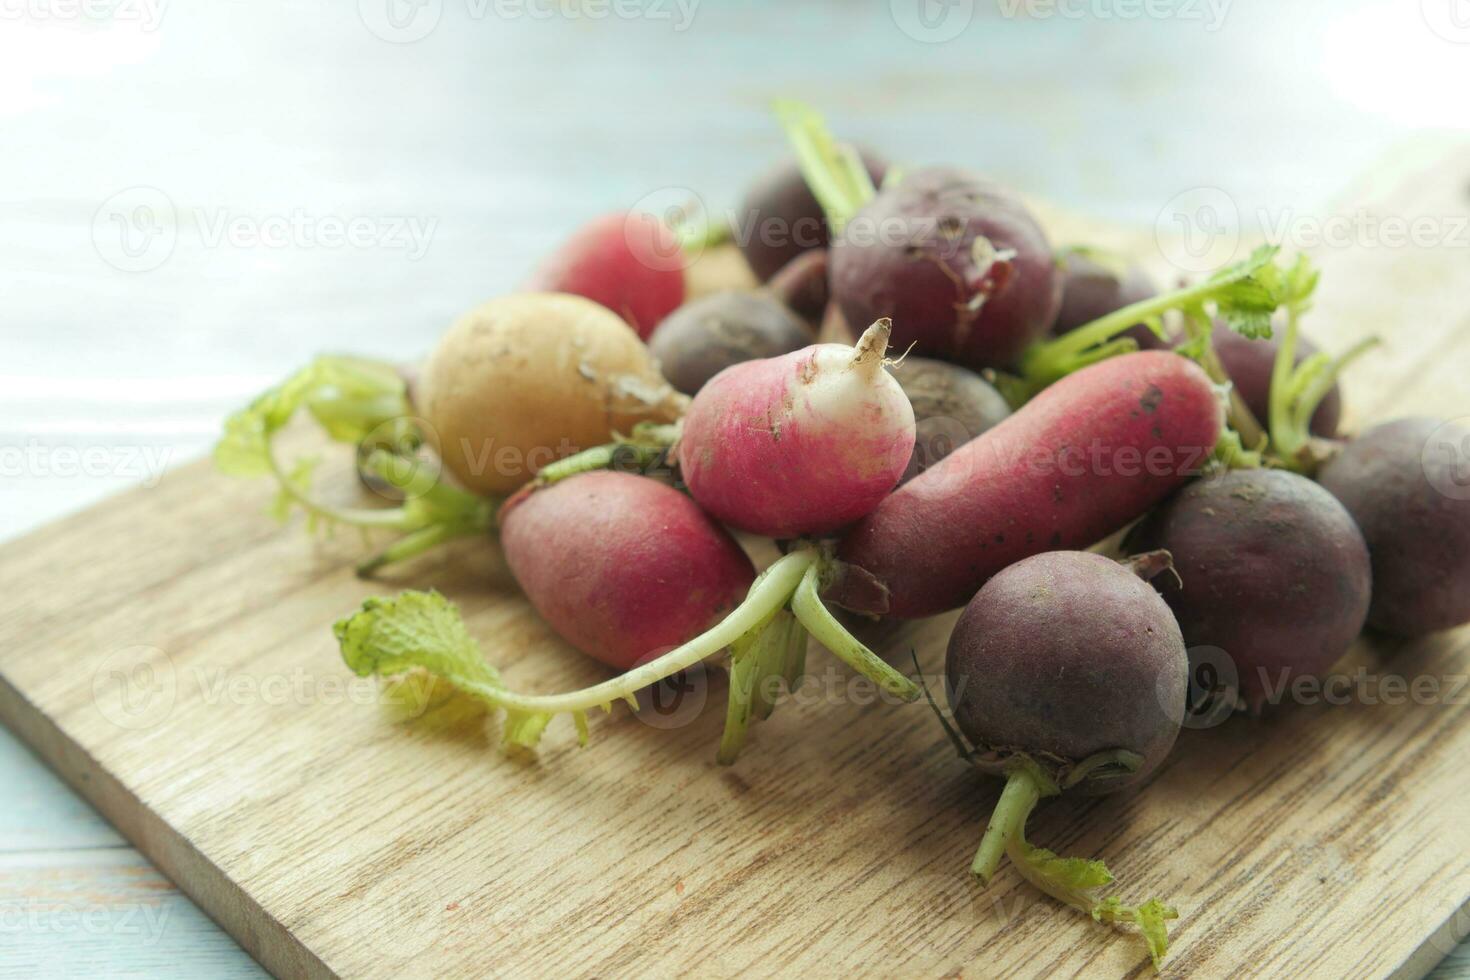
[461, 137]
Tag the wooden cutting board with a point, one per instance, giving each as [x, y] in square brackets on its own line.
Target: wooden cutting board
[169, 653]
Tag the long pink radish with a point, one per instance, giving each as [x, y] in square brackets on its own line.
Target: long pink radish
[1084, 458]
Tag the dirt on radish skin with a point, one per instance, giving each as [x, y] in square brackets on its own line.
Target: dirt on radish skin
[1084, 458]
[961, 267]
[801, 444]
[630, 262]
[1065, 655]
[1404, 482]
[1272, 570]
[622, 567]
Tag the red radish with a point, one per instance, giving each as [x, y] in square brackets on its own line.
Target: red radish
[1081, 460]
[630, 262]
[801, 444]
[621, 566]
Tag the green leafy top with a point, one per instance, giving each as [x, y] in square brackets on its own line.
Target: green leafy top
[1297, 389]
[1076, 881]
[423, 630]
[1243, 295]
[834, 171]
[1073, 881]
[363, 403]
[351, 399]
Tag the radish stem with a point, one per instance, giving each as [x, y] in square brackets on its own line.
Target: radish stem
[1023, 790]
[833, 171]
[810, 611]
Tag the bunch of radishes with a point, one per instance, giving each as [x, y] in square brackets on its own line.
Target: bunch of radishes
[610, 431]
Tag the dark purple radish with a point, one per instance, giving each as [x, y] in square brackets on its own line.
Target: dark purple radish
[1092, 289]
[1272, 571]
[1067, 674]
[1250, 363]
[780, 217]
[952, 405]
[1407, 484]
[958, 263]
[702, 338]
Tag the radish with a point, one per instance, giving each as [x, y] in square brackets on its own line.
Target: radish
[801, 285]
[952, 405]
[621, 566]
[706, 335]
[780, 218]
[790, 447]
[1067, 673]
[798, 445]
[703, 337]
[630, 262]
[960, 266]
[1272, 570]
[1406, 485]
[1082, 460]
[527, 378]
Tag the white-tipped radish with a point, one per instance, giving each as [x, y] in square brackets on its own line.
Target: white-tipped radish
[801, 444]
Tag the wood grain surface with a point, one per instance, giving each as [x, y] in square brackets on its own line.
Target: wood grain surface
[168, 653]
